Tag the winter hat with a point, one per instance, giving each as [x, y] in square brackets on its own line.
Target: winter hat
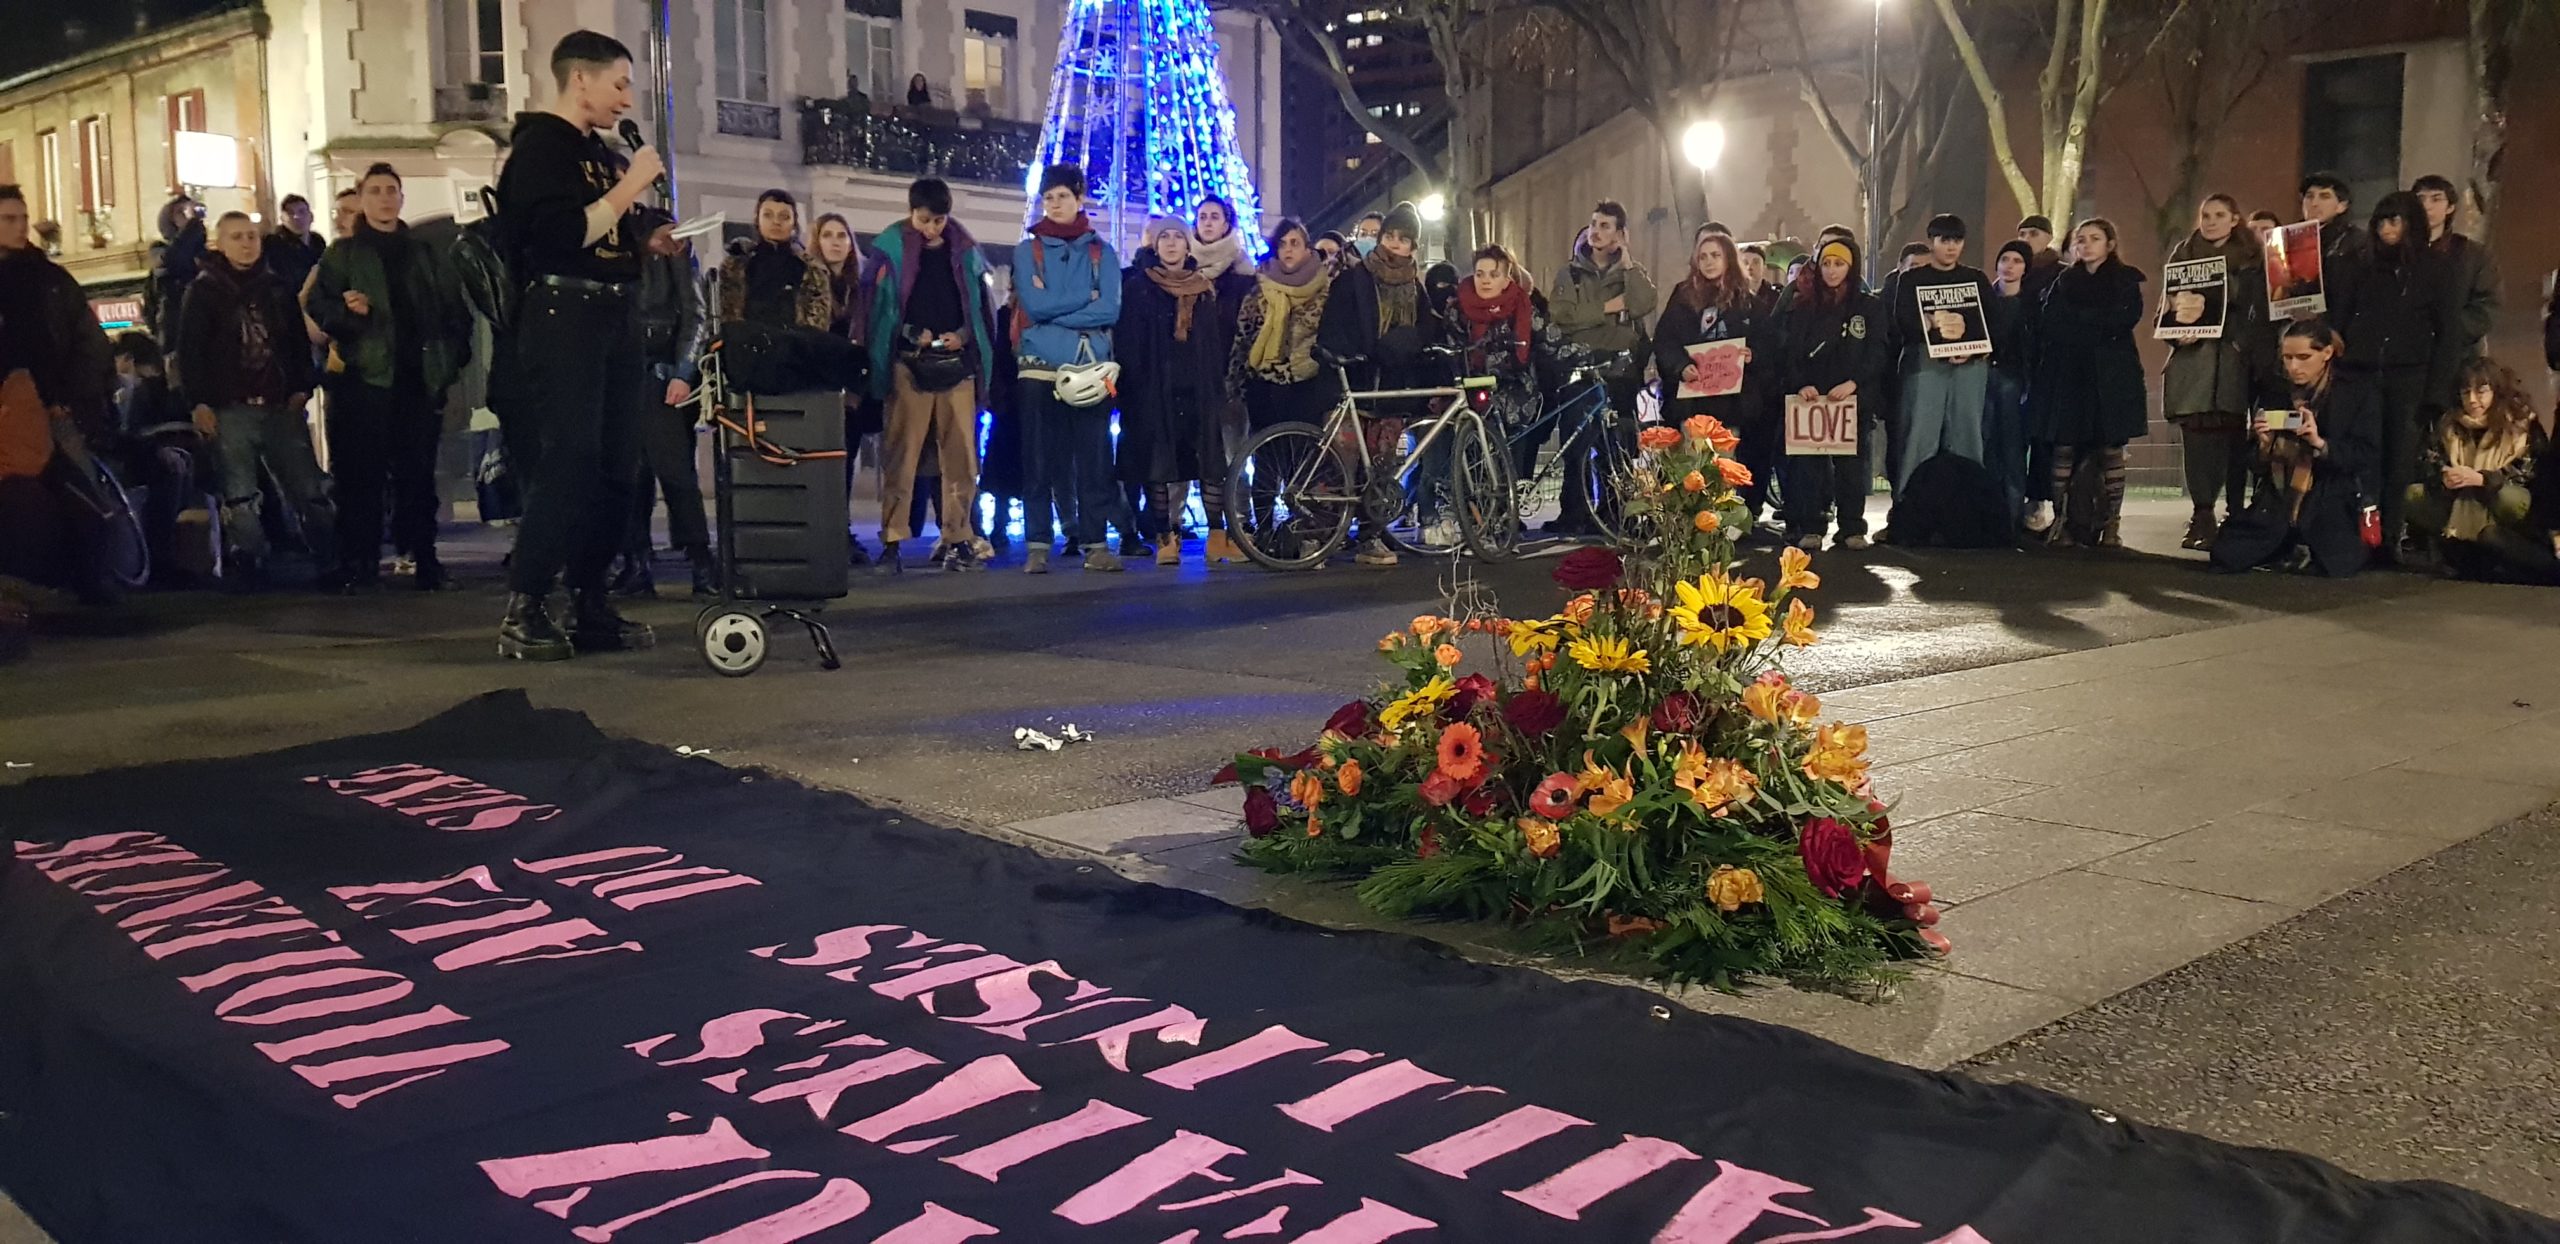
[1848, 254]
[1156, 226]
[1404, 218]
[1067, 175]
[2018, 247]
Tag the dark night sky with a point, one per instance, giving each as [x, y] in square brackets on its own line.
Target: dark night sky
[39, 32]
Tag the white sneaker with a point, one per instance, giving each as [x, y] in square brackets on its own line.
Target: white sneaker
[1810, 544]
[2040, 519]
[1441, 534]
[1854, 543]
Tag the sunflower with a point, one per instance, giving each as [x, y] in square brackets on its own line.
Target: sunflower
[1839, 755]
[1423, 701]
[1792, 572]
[1462, 752]
[1609, 655]
[1734, 472]
[1537, 636]
[1720, 612]
[1797, 631]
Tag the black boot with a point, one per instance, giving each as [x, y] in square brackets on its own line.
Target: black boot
[632, 577]
[431, 575]
[528, 634]
[595, 627]
[706, 576]
[888, 563]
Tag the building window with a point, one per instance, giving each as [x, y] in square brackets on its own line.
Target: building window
[1351, 162]
[182, 113]
[2351, 123]
[49, 175]
[741, 51]
[871, 46]
[986, 60]
[97, 166]
[469, 42]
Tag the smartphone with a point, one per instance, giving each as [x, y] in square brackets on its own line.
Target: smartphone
[2279, 420]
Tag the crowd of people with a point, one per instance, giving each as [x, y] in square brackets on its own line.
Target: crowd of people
[2002, 400]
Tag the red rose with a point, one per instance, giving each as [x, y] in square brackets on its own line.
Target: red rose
[1483, 800]
[1587, 570]
[1261, 815]
[1430, 844]
[1533, 713]
[1831, 856]
[1472, 690]
[1677, 714]
[1440, 788]
[1350, 721]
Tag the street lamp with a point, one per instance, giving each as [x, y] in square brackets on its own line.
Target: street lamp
[1433, 206]
[1702, 144]
[1875, 136]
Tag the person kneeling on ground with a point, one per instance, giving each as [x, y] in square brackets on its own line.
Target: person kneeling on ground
[2322, 463]
[2474, 495]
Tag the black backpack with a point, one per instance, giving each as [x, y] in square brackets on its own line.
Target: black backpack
[484, 265]
[1951, 500]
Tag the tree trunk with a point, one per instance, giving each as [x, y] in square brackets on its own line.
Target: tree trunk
[1995, 109]
[2489, 45]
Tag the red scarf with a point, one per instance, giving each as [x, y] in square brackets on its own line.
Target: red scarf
[1067, 232]
[1511, 304]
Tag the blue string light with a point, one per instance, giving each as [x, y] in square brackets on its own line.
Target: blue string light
[1138, 101]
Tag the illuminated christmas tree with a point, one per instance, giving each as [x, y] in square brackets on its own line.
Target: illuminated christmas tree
[1138, 101]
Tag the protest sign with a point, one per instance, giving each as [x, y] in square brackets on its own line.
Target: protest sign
[1951, 320]
[2296, 284]
[1719, 365]
[1822, 425]
[2195, 297]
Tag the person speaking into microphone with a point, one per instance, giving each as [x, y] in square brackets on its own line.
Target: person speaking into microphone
[572, 365]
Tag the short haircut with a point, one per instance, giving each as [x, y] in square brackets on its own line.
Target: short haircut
[2040, 224]
[1914, 248]
[137, 345]
[292, 201]
[1286, 226]
[2226, 201]
[1716, 226]
[780, 196]
[2267, 216]
[930, 194]
[1842, 232]
[10, 193]
[1069, 177]
[2315, 330]
[2330, 182]
[379, 169]
[2437, 182]
[228, 217]
[1613, 209]
[1366, 217]
[1757, 248]
[584, 50]
[348, 193]
[1950, 226]
[1494, 252]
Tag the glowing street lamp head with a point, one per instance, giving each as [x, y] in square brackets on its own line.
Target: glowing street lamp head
[1702, 144]
[1433, 206]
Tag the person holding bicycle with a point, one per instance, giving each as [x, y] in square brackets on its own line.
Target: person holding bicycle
[1374, 322]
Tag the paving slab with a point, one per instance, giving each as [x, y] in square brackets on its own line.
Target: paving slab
[2267, 858]
[2083, 935]
[2433, 807]
[1973, 854]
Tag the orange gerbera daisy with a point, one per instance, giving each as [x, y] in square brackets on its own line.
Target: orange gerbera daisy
[1734, 472]
[1462, 752]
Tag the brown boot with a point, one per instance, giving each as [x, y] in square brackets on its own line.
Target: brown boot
[1220, 548]
[1169, 549]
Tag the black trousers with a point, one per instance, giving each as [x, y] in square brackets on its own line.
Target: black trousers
[1067, 452]
[382, 458]
[667, 468]
[572, 408]
[2405, 420]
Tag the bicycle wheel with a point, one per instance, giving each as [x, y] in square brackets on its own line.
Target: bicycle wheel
[1480, 472]
[1291, 497]
[1601, 474]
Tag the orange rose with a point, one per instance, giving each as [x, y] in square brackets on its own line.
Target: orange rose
[1706, 522]
[1693, 482]
[1393, 641]
[1734, 472]
[1541, 836]
[1448, 656]
[1709, 430]
[1348, 777]
[1578, 610]
[1307, 789]
[1657, 438]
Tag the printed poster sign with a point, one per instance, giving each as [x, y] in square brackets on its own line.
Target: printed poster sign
[2296, 288]
[2194, 299]
[1719, 365]
[1951, 321]
[1822, 425]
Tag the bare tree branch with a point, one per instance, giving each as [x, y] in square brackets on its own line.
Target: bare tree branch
[1994, 105]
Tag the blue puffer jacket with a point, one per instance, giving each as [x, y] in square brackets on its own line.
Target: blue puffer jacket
[1065, 292]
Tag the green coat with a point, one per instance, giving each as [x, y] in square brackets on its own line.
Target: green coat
[369, 343]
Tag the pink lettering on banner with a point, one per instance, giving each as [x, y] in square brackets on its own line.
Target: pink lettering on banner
[1361, 1094]
[523, 1176]
[981, 1081]
[936, 1225]
[1570, 1191]
[510, 928]
[650, 879]
[1728, 1206]
[1507, 1134]
[1270, 1043]
[1147, 1176]
[441, 800]
[278, 967]
[1876, 1218]
[1096, 1118]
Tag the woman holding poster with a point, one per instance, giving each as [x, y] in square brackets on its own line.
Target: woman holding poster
[2213, 313]
[1702, 347]
[1830, 348]
[2088, 397]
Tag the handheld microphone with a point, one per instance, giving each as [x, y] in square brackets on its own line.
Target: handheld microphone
[630, 131]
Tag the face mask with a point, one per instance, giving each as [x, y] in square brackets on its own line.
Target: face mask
[1364, 246]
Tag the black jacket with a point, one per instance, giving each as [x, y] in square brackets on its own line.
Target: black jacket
[2088, 387]
[2343, 241]
[2474, 276]
[671, 318]
[2401, 313]
[1822, 347]
[1686, 322]
[47, 328]
[2012, 321]
[1349, 330]
[292, 258]
[1169, 390]
[1908, 335]
[213, 366]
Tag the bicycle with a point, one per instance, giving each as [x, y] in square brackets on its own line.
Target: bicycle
[1593, 454]
[1296, 487]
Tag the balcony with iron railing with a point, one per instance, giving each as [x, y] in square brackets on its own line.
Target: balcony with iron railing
[917, 143]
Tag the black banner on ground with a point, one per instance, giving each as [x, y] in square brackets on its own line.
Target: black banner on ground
[499, 977]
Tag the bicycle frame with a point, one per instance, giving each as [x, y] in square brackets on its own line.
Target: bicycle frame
[1344, 422]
